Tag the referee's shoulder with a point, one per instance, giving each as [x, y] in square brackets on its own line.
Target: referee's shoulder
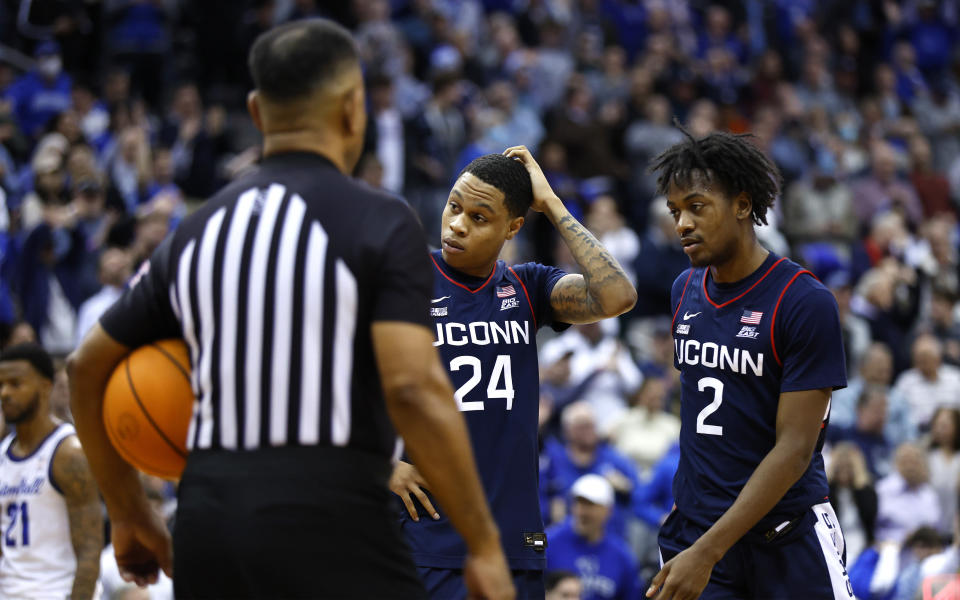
[224, 197]
[376, 197]
[362, 200]
[366, 202]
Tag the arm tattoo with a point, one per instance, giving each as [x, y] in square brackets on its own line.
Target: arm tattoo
[577, 299]
[73, 476]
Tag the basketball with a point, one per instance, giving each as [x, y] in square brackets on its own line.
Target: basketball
[147, 408]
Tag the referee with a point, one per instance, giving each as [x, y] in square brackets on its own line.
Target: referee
[303, 298]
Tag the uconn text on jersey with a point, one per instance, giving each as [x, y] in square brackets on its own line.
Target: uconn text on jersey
[482, 333]
[718, 356]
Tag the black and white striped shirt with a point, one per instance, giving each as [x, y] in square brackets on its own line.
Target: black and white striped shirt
[274, 284]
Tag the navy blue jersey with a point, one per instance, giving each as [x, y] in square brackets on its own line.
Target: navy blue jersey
[486, 335]
[738, 346]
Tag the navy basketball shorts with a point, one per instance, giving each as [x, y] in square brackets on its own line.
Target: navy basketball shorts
[447, 584]
[806, 562]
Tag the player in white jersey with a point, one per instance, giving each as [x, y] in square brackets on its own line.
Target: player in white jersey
[51, 524]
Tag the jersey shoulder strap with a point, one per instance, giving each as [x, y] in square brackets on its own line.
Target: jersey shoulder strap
[526, 295]
[50, 446]
[686, 284]
[776, 308]
[62, 432]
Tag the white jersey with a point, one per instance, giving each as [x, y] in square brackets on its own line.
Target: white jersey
[38, 561]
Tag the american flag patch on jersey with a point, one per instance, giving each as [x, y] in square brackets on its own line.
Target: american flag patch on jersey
[506, 291]
[751, 317]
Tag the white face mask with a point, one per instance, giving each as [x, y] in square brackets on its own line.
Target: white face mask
[50, 67]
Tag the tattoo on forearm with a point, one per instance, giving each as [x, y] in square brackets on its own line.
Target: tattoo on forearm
[87, 538]
[86, 519]
[583, 299]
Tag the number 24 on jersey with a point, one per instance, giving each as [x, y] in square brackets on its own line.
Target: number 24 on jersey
[500, 384]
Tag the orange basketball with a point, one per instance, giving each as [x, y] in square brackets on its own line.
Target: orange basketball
[147, 408]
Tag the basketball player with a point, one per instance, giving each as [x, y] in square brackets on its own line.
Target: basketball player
[303, 297]
[486, 315]
[50, 517]
[757, 342]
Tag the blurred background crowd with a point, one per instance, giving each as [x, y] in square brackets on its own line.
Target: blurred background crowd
[118, 116]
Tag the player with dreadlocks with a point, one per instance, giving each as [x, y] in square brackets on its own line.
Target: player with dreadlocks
[758, 345]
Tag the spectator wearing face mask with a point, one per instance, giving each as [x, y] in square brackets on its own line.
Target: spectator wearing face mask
[41, 93]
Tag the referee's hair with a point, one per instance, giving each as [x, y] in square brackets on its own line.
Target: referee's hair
[507, 175]
[729, 160]
[33, 354]
[291, 61]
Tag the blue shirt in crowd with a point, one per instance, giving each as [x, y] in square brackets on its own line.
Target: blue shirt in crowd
[36, 101]
[558, 473]
[607, 569]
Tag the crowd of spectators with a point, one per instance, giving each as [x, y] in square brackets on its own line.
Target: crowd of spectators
[118, 116]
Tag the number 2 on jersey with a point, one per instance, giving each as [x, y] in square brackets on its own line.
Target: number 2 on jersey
[501, 371]
[9, 536]
[717, 386]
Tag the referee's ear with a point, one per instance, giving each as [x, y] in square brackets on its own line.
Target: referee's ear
[253, 107]
[355, 111]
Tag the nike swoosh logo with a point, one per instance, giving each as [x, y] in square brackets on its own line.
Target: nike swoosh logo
[440, 299]
[687, 315]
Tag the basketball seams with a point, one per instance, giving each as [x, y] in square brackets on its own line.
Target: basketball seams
[136, 398]
[115, 439]
[173, 359]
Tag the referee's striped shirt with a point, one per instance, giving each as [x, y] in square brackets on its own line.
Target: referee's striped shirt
[274, 284]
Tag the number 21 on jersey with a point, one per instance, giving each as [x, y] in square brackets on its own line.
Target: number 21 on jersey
[500, 384]
[10, 536]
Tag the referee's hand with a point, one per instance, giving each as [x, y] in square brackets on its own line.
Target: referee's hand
[142, 548]
[407, 482]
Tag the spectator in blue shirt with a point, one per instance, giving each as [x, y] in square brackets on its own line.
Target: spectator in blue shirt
[585, 453]
[582, 545]
[932, 38]
[42, 93]
[717, 33]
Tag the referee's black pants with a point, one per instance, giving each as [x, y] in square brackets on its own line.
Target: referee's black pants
[289, 523]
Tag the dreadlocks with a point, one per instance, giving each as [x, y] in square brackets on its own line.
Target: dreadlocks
[730, 160]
